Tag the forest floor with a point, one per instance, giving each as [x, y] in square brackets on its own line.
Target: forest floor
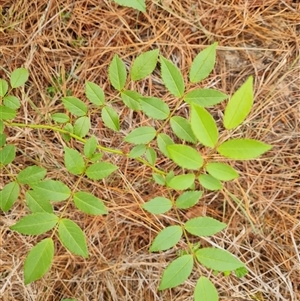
[65, 43]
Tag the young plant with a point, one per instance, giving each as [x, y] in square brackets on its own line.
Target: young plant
[192, 174]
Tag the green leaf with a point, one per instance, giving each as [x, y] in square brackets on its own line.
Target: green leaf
[38, 260]
[74, 105]
[31, 174]
[12, 102]
[52, 190]
[177, 272]
[94, 93]
[82, 126]
[73, 160]
[8, 195]
[163, 141]
[72, 237]
[2, 139]
[136, 4]
[3, 87]
[181, 182]
[154, 108]
[110, 118]
[209, 182]
[159, 179]
[131, 99]
[141, 135]
[203, 64]
[204, 226]
[7, 154]
[172, 77]
[36, 223]
[89, 204]
[185, 156]
[101, 170]
[69, 128]
[239, 105]
[243, 149]
[205, 290]
[166, 239]
[188, 199]
[182, 129]
[218, 260]
[222, 171]
[60, 117]
[204, 97]
[18, 77]
[1, 126]
[96, 157]
[37, 202]
[204, 126]
[151, 155]
[144, 64]
[90, 147]
[137, 151]
[117, 73]
[7, 113]
[158, 205]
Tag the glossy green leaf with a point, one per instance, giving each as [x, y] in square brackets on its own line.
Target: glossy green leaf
[38, 260]
[72, 237]
[74, 105]
[203, 64]
[188, 199]
[131, 99]
[218, 260]
[182, 129]
[204, 226]
[204, 97]
[3, 87]
[172, 77]
[137, 151]
[94, 93]
[136, 4]
[205, 290]
[243, 149]
[31, 174]
[101, 170]
[53, 190]
[166, 239]
[60, 117]
[117, 73]
[73, 161]
[2, 139]
[82, 126]
[221, 171]
[90, 147]
[12, 102]
[8, 195]
[158, 178]
[204, 126]
[144, 64]
[88, 203]
[154, 107]
[141, 135]
[18, 77]
[151, 155]
[185, 156]
[209, 182]
[177, 272]
[239, 105]
[7, 113]
[181, 182]
[37, 202]
[7, 154]
[36, 223]
[158, 205]
[163, 141]
[110, 118]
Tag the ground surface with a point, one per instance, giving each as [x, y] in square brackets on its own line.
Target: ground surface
[75, 41]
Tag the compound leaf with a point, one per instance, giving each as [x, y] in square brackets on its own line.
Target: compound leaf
[204, 97]
[141, 135]
[73, 160]
[188, 199]
[158, 205]
[82, 126]
[100, 170]
[8, 195]
[182, 129]
[31, 174]
[177, 272]
[110, 118]
[181, 182]
[94, 93]
[18, 77]
[221, 171]
[136, 4]
[204, 226]
[209, 182]
[117, 73]
[205, 290]
[154, 107]
[74, 105]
